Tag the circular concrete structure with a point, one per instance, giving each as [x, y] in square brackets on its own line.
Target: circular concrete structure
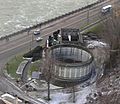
[71, 63]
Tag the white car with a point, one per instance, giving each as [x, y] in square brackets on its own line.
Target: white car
[39, 39]
[36, 32]
[106, 9]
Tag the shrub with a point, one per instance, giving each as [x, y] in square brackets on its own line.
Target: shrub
[35, 54]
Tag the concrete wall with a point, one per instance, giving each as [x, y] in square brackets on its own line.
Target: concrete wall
[81, 67]
[71, 53]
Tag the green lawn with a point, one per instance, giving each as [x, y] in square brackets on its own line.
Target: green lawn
[36, 66]
[12, 65]
[97, 29]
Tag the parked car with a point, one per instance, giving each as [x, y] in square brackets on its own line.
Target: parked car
[39, 39]
[36, 32]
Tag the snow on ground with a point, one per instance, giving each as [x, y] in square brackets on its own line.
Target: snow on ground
[54, 87]
[95, 43]
[67, 98]
[58, 98]
[81, 98]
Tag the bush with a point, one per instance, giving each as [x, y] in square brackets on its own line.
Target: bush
[35, 54]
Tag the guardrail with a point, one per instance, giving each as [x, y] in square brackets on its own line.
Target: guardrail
[48, 21]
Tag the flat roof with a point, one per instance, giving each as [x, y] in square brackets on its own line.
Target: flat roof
[108, 6]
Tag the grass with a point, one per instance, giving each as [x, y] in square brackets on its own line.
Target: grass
[97, 29]
[12, 66]
[34, 67]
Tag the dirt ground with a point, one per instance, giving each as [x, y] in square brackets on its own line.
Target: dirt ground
[108, 87]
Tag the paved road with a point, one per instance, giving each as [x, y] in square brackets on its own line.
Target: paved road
[23, 42]
[8, 86]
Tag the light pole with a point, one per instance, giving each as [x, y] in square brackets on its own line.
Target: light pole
[28, 33]
[88, 12]
[40, 28]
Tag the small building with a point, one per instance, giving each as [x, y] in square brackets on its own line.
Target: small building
[70, 35]
[36, 75]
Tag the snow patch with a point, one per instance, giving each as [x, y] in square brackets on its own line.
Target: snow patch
[93, 44]
[81, 98]
[59, 97]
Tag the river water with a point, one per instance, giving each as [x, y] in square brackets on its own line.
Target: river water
[18, 14]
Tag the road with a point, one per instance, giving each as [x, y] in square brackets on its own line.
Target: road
[24, 42]
[14, 90]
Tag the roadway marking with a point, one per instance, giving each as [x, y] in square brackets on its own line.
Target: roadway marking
[14, 47]
[31, 41]
[71, 24]
[45, 35]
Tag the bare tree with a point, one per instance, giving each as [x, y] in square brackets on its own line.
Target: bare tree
[47, 71]
[111, 34]
[73, 92]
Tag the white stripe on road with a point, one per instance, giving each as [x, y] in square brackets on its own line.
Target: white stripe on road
[30, 41]
[14, 47]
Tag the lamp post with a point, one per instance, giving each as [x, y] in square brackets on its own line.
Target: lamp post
[88, 12]
[28, 33]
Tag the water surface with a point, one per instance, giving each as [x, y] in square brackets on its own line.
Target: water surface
[18, 14]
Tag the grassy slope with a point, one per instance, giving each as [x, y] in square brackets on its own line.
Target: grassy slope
[12, 65]
[97, 29]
